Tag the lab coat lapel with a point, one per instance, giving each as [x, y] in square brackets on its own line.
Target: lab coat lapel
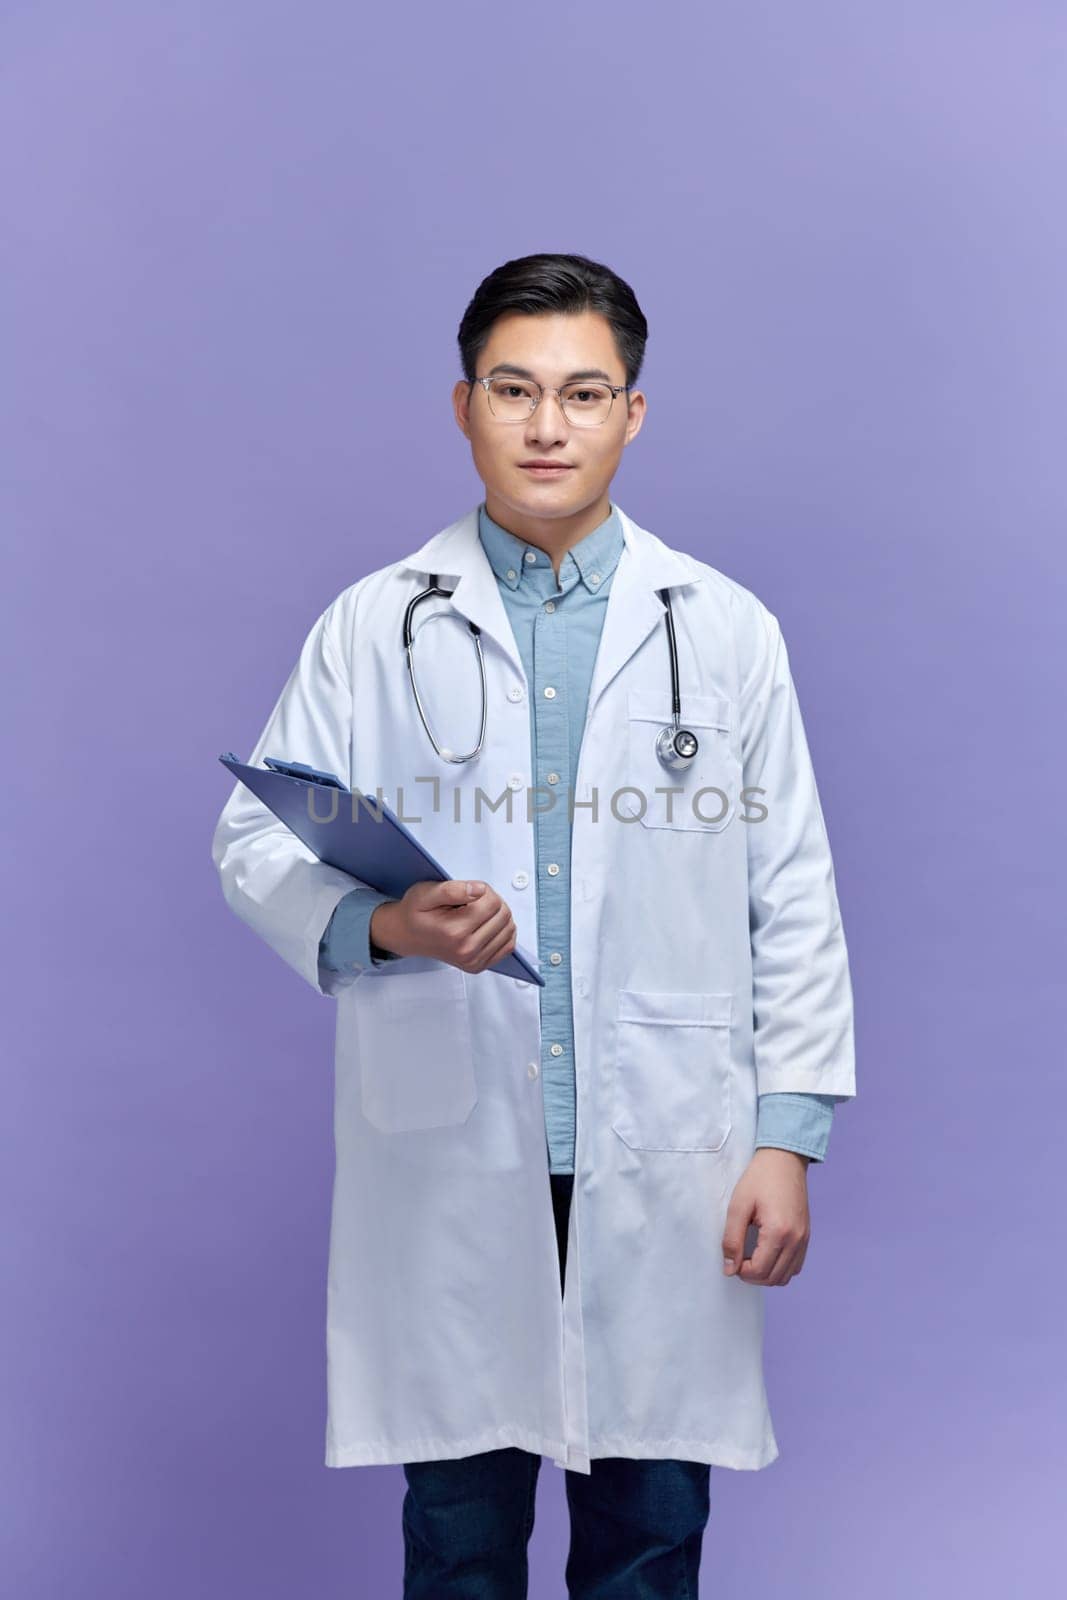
[634, 608]
[457, 553]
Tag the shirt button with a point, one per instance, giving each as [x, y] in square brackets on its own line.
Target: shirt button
[557, 1049]
[550, 693]
[553, 777]
[531, 556]
[550, 605]
[515, 781]
[512, 573]
[515, 693]
[552, 868]
[531, 1069]
[594, 577]
[520, 880]
[555, 958]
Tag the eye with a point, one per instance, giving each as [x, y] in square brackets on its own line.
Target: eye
[511, 389]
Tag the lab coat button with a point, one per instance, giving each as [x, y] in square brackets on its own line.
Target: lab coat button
[520, 880]
[515, 781]
[531, 1070]
[515, 693]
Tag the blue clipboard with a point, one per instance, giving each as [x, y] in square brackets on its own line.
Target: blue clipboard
[376, 848]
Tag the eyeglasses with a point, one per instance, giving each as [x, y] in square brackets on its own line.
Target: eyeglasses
[586, 405]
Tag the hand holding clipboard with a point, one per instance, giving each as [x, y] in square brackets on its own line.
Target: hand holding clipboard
[371, 844]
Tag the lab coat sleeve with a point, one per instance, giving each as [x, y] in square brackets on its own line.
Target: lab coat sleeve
[802, 994]
[269, 877]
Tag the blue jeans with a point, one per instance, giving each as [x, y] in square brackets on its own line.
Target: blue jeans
[636, 1526]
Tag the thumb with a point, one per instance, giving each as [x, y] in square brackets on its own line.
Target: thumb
[457, 891]
[733, 1239]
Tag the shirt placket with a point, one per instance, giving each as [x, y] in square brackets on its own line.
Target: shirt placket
[552, 730]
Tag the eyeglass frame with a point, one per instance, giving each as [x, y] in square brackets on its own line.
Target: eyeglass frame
[616, 389]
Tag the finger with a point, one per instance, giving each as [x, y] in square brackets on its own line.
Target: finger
[484, 917]
[784, 1267]
[763, 1258]
[504, 945]
[800, 1250]
[738, 1218]
[504, 938]
[498, 931]
[473, 938]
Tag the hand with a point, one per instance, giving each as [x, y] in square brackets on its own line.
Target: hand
[773, 1192]
[464, 924]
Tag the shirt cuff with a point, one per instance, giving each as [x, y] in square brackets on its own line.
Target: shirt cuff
[798, 1122]
[346, 946]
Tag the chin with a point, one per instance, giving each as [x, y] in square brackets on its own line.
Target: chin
[559, 496]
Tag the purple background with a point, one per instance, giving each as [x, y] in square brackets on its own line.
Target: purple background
[237, 241]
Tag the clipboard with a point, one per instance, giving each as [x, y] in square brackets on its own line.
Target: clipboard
[376, 847]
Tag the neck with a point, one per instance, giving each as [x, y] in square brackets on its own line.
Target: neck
[553, 535]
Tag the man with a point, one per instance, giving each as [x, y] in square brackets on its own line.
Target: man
[661, 1096]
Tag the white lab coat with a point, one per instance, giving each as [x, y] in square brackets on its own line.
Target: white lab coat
[708, 966]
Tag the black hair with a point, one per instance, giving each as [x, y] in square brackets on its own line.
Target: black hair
[568, 283]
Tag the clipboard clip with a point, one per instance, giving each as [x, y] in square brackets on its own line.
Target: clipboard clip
[300, 769]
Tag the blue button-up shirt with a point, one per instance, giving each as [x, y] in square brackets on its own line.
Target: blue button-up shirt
[557, 623]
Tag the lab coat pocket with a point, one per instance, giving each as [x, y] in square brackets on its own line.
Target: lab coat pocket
[672, 1070]
[413, 1036]
[705, 794]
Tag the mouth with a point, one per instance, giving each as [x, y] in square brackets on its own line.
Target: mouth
[539, 470]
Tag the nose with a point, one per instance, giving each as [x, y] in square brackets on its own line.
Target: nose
[547, 421]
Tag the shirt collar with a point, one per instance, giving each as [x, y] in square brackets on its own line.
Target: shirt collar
[594, 557]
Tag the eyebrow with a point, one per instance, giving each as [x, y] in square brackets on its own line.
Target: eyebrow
[524, 372]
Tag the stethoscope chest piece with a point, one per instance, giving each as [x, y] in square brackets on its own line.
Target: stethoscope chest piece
[676, 747]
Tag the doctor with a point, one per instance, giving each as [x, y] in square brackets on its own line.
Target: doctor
[542, 1195]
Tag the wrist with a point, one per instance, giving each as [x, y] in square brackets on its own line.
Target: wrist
[783, 1150]
[382, 927]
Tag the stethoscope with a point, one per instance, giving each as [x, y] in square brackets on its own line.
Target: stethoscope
[676, 746]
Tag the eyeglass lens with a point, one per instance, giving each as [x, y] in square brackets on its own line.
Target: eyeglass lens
[585, 404]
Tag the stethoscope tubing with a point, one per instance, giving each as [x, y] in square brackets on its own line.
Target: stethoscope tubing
[666, 740]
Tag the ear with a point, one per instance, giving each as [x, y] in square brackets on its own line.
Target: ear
[635, 414]
[461, 400]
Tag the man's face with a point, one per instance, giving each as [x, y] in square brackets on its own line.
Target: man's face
[554, 348]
